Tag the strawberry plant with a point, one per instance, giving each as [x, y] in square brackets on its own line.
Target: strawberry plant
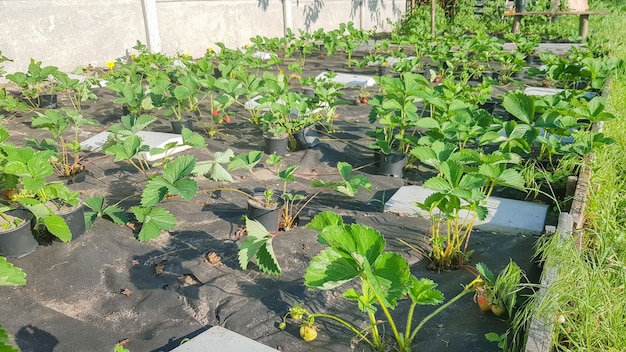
[501, 290]
[67, 160]
[294, 204]
[396, 112]
[25, 171]
[357, 253]
[464, 182]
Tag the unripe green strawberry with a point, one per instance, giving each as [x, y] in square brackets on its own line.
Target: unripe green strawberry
[308, 332]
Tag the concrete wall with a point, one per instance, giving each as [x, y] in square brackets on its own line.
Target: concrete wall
[68, 33]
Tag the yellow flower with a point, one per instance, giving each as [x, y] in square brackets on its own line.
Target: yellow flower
[247, 46]
[133, 57]
[209, 50]
[186, 55]
[110, 65]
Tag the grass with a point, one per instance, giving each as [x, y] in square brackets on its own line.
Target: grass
[587, 301]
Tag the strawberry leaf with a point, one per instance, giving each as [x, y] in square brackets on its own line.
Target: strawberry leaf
[154, 220]
[422, 291]
[10, 276]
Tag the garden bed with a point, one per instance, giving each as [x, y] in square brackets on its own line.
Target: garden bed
[107, 287]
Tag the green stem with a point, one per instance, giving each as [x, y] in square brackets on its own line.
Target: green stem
[375, 334]
[401, 342]
[410, 319]
[465, 291]
[346, 324]
[229, 189]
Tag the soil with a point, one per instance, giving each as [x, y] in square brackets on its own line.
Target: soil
[106, 286]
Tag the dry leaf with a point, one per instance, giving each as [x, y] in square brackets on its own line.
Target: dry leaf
[126, 292]
[135, 262]
[159, 268]
[124, 342]
[241, 232]
[213, 259]
[188, 280]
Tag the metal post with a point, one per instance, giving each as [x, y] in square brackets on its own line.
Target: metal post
[287, 17]
[152, 25]
[433, 31]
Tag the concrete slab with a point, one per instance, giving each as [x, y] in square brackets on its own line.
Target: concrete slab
[391, 61]
[542, 91]
[218, 338]
[262, 55]
[349, 79]
[151, 139]
[505, 215]
[102, 82]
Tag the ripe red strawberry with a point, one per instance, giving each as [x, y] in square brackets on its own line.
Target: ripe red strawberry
[483, 303]
[214, 112]
[364, 100]
[437, 79]
[227, 119]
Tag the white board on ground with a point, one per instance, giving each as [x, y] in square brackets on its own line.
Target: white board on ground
[102, 82]
[218, 338]
[151, 139]
[542, 91]
[349, 79]
[505, 215]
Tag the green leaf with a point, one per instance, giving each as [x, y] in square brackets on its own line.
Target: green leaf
[192, 139]
[287, 174]
[57, 226]
[116, 214]
[90, 218]
[213, 169]
[362, 243]
[329, 269]
[154, 192]
[95, 203]
[423, 292]
[511, 178]
[266, 259]
[520, 105]
[438, 184]
[325, 219]
[125, 149]
[179, 168]
[485, 272]
[258, 243]
[5, 341]
[245, 161]
[472, 181]
[154, 220]
[481, 212]
[345, 169]
[427, 123]
[351, 294]
[452, 171]
[492, 337]
[186, 188]
[394, 269]
[10, 276]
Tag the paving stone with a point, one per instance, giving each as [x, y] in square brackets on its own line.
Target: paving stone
[505, 215]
